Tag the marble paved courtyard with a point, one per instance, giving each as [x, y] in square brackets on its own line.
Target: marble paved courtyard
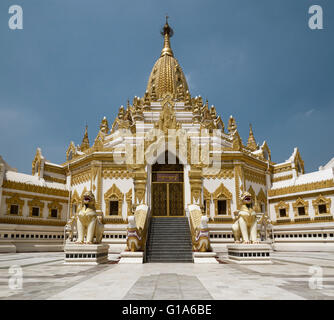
[294, 275]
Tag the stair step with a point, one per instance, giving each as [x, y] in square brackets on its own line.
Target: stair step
[170, 236]
[170, 258]
[169, 240]
[170, 261]
[177, 250]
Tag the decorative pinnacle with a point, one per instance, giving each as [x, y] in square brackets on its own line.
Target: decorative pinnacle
[85, 140]
[167, 32]
[251, 144]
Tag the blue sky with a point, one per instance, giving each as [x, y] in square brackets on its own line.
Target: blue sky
[76, 61]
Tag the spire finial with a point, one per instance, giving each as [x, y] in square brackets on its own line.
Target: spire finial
[167, 32]
[251, 144]
[85, 141]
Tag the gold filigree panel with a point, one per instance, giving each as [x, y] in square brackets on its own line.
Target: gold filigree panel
[223, 174]
[117, 174]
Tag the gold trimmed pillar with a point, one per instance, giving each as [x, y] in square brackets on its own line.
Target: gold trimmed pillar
[195, 180]
[140, 178]
[128, 197]
[96, 182]
[239, 183]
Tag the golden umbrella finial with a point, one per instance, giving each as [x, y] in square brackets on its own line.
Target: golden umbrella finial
[167, 32]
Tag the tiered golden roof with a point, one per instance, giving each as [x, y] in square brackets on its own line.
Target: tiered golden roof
[167, 76]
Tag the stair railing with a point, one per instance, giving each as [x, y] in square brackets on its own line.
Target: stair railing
[138, 228]
[199, 229]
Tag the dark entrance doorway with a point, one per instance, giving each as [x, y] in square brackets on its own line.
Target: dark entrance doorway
[167, 189]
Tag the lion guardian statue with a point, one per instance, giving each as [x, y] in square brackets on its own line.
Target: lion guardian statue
[245, 226]
[89, 224]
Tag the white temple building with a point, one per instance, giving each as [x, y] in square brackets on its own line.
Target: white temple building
[167, 150]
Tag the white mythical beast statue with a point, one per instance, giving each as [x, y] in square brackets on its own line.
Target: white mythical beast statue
[137, 225]
[88, 223]
[199, 229]
[245, 225]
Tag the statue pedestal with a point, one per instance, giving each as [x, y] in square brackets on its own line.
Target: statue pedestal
[86, 254]
[249, 253]
[132, 257]
[205, 257]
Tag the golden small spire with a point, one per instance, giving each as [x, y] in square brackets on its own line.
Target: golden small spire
[232, 126]
[104, 126]
[167, 32]
[251, 144]
[85, 141]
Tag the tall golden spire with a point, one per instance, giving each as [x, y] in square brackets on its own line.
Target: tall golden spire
[167, 77]
[167, 32]
[85, 141]
[251, 144]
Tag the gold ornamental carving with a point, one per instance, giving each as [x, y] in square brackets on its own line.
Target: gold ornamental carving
[117, 174]
[239, 183]
[222, 174]
[33, 188]
[282, 168]
[207, 198]
[140, 179]
[254, 176]
[81, 178]
[32, 221]
[75, 201]
[300, 203]
[222, 193]
[32, 196]
[302, 188]
[128, 197]
[282, 178]
[321, 200]
[15, 200]
[195, 179]
[261, 196]
[282, 205]
[36, 203]
[38, 163]
[53, 179]
[113, 194]
[55, 205]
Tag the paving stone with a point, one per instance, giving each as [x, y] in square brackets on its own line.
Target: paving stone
[46, 277]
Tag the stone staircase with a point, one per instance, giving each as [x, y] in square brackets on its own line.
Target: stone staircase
[169, 240]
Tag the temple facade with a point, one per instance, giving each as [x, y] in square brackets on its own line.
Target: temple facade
[167, 150]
